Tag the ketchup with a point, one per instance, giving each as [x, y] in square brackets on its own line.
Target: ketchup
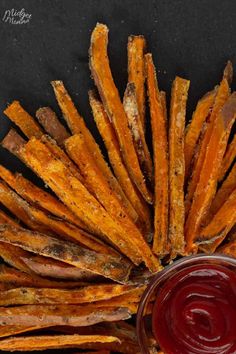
[195, 311]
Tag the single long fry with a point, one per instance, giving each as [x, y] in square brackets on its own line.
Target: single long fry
[215, 232]
[135, 125]
[76, 148]
[60, 315]
[194, 128]
[25, 122]
[109, 137]
[34, 296]
[160, 150]
[99, 65]
[112, 267]
[51, 342]
[228, 159]
[76, 196]
[222, 95]
[51, 124]
[136, 71]
[77, 126]
[177, 164]
[206, 186]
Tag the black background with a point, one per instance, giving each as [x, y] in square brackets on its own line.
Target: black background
[191, 38]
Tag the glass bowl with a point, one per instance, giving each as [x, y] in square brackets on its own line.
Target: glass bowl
[146, 339]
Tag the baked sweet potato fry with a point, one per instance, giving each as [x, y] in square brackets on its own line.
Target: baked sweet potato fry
[77, 126]
[228, 72]
[101, 72]
[77, 198]
[215, 232]
[160, 152]
[30, 343]
[51, 124]
[7, 331]
[177, 164]
[135, 125]
[60, 315]
[110, 140]
[228, 159]
[12, 142]
[111, 267]
[23, 120]
[194, 128]
[91, 293]
[206, 187]
[76, 148]
[222, 95]
[136, 71]
[228, 249]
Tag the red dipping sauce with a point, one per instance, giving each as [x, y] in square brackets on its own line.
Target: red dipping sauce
[195, 308]
[195, 311]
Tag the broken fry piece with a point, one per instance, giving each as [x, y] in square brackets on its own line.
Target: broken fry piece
[135, 125]
[136, 71]
[194, 128]
[177, 164]
[102, 76]
[23, 120]
[228, 159]
[51, 124]
[115, 268]
[160, 151]
[206, 187]
[12, 142]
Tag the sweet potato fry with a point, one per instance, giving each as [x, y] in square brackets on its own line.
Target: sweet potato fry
[112, 267]
[51, 124]
[17, 279]
[177, 164]
[194, 128]
[69, 315]
[206, 187]
[160, 151]
[7, 331]
[77, 126]
[23, 120]
[215, 232]
[91, 293]
[12, 142]
[135, 125]
[222, 95]
[136, 71]
[228, 72]
[99, 65]
[163, 103]
[77, 198]
[228, 159]
[229, 249]
[109, 137]
[76, 148]
[30, 343]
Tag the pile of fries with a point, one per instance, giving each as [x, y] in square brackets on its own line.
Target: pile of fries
[77, 261]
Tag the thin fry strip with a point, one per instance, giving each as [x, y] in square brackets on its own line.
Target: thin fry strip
[206, 187]
[16, 279]
[77, 126]
[34, 296]
[109, 137]
[177, 164]
[59, 315]
[111, 267]
[163, 103]
[135, 125]
[16, 113]
[228, 72]
[222, 95]
[160, 151]
[136, 71]
[38, 197]
[228, 159]
[51, 342]
[12, 142]
[194, 128]
[101, 72]
[215, 232]
[75, 195]
[51, 124]
[7, 331]
[76, 148]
